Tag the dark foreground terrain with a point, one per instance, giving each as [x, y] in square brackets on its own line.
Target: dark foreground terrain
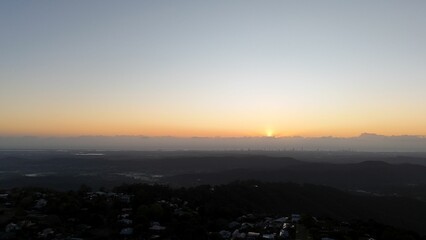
[240, 210]
[211, 195]
[347, 170]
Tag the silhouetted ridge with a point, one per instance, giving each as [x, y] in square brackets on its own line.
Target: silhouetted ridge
[370, 175]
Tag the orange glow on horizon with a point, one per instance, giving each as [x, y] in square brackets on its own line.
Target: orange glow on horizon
[83, 122]
[63, 130]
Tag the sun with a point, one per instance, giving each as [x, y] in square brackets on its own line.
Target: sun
[269, 133]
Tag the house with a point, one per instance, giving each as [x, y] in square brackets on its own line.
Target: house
[295, 218]
[125, 221]
[238, 235]
[47, 232]
[155, 226]
[253, 235]
[233, 225]
[126, 231]
[246, 226]
[4, 195]
[268, 236]
[225, 234]
[41, 203]
[281, 220]
[11, 227]
[284, 233]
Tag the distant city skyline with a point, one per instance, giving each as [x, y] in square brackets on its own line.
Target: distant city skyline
[365, 142]
[212, 68]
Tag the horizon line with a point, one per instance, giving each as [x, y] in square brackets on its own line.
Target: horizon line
[212, 137]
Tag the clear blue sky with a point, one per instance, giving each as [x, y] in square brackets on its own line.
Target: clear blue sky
[212, 68]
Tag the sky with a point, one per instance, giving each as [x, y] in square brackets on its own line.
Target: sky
[212, 68]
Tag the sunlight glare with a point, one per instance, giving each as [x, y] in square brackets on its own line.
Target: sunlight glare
[269, 133]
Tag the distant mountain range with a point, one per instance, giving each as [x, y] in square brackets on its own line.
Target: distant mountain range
[375, 173]
[370, 175]
[365, 142]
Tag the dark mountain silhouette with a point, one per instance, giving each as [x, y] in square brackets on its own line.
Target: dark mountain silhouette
[371, 175]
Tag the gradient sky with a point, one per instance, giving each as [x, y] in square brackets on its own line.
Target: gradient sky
[212, 68]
